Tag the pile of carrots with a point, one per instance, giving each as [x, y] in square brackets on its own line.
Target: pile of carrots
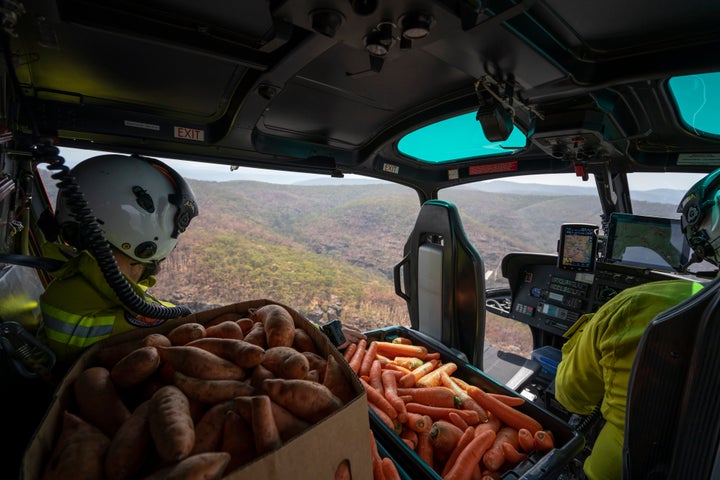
[198, 401]
[460, 431]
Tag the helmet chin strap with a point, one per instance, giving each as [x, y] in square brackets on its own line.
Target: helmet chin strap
[149, 269]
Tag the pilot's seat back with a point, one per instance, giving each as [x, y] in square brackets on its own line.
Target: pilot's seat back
[672, 427]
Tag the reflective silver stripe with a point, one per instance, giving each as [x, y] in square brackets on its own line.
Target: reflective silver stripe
[76, 334]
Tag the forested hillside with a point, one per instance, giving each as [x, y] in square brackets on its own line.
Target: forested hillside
[329, 251]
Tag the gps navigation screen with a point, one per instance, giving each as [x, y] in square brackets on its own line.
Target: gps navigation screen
[652, 242]
[578, 247]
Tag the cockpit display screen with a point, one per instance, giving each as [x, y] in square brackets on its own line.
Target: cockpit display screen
[577, 249]
[652, 242]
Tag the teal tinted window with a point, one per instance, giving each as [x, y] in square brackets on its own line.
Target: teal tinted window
[698, 101]
[456, 138]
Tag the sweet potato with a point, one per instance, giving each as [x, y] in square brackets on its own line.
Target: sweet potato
[256, 335]
[303, 342]
[238, 351]
[286, 362]
[110, 354]
[265, 431]
[129, 447]
[208, 431]
[205, 466]
[79, 452]
[227, 329]
[316, 362]
[313, 375]
[135, 367]
[98, 400]
[199, 363]
[288, 424]
[308, 400]
[336, 381]
[246, 324]
[211, 391]
[259, 374]
[186, 333]
[171, 425]
[279, 325]
[237, 440]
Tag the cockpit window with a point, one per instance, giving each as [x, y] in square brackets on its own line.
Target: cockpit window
[698, 100]
[456, 138]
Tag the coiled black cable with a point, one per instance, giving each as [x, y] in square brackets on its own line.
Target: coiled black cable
[96, 241]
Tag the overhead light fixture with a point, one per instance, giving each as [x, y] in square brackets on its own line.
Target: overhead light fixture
[380, 39]
[326, 21]
[416, 25]
[496, 121]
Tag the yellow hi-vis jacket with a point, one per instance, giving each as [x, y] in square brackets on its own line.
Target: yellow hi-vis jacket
[597, 360]
[79, 308]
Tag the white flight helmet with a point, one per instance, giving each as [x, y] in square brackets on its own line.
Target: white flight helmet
[140, 203]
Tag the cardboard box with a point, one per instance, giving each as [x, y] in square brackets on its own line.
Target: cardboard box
[314, 454]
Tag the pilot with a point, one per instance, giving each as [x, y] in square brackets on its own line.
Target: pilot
[141, 206]
[598, 356]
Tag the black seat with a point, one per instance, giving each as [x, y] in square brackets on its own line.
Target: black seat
[442, 279]
[672, 427]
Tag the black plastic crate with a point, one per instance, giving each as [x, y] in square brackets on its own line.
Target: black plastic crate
[538, 466]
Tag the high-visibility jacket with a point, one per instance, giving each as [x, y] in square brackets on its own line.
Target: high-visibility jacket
[598, 358]
[79, 308]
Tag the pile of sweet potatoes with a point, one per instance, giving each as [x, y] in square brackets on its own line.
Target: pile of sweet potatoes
[198, 401]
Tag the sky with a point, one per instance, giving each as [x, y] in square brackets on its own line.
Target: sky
[211, 172]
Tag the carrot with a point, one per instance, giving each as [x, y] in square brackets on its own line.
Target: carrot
[392, 350]
[465, 438]
[458, 421]
[336, 381]
[208, 465]
[505, 413]
[432, 396]
[389, 384]
[265, 431]
[468, 459]
[98, 400]
[416, 374]
[128, 448]
[80, 449]
[226, 329]
[526, 440]
[199, 363]
[397, 368]
[512, 455]
[433, 355]
[278, 324]
[508, 399]
[368, 359]
[444, 436]
[375, 376]
[402, 340]
[185, 333]
[342, 472]
[311, 401]
[135, 367]
[393, 425]
[441, 413]
[350, 351]
[389, 469]
[418, 422]
[377, 470]
[208, 431]
[410, 436]
[433, 379]
[544, 440]
[237, 440]
[466, 401]
[357, 358]
[379, 399]
[425, 449]
[494, 458]
[286, 362]
[303, 342]
[171, 426]
[410, 363]
[493, 424]
[241, 352]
